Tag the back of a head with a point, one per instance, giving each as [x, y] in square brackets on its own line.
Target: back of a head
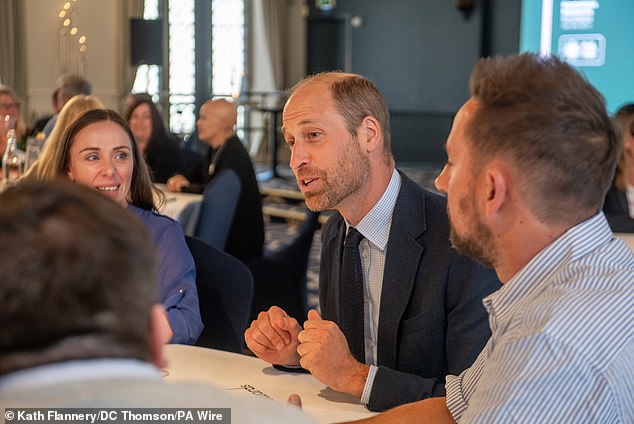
[75, 107]
[77, 274]
[540, 114]
[71, 85]
[71, 110]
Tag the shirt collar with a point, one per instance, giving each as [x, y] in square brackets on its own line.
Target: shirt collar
[573, 244]
[77, 370]
[375, 226]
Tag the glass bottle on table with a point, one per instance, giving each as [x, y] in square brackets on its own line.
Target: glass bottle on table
[11, 161]
[34, 146]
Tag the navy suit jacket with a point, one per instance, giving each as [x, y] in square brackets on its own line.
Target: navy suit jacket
[617, 211]
[431, 321]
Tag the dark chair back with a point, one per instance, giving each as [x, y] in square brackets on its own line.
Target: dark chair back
[218, 207]
[225, 293]
[280, 276]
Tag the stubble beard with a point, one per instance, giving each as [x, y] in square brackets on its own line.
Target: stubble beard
[479, 244]
[350, 173]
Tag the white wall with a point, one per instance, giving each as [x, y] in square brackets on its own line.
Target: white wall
[98, 21]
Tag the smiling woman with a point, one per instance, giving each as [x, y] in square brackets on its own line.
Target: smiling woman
[101, 157]
[98, 150]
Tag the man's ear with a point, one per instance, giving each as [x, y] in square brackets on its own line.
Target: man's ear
[497, 183]
[159, 333]
[373, 134]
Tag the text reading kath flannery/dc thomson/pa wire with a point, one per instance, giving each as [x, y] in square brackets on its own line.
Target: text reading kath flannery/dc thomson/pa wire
[116, 416]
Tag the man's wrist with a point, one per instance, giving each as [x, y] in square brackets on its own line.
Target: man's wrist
[358, 380]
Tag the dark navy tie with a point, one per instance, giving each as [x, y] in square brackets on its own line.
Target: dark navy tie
[352, 294]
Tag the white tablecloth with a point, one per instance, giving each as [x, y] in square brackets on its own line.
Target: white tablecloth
[248, 376]
[182, 207]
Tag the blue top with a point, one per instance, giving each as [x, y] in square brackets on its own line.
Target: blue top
[176, 275]
[562, 343]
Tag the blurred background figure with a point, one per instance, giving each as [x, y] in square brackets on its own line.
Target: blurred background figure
[38, 125]
[72, 109]
[160, 149]
[68, 86]
[98, 150]
[216, 127]
[10, 105]
[619, 200]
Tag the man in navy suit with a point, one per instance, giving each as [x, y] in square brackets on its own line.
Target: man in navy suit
[422, 316]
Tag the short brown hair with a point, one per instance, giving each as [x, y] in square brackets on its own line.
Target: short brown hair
[544, 117]
[355, 98]
[77, 276]
[142, 192]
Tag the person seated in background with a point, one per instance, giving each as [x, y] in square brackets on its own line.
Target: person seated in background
[80, 323]
[619, 201]
[160, 149]
[215, 127]
[68, 85]
[400, 308]
[99, 150]
[530, 157]
[71, 110]
[38, 126]
[10, 105]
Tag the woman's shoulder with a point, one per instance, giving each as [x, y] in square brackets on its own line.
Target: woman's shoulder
[152, 218]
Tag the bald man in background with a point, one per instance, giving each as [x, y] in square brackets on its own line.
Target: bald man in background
[215, 125]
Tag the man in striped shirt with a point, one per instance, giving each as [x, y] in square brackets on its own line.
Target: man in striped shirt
[530, 157]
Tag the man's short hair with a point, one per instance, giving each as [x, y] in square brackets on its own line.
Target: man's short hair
[355, 98]
[544, 117]
[71, 85]
[77, 276]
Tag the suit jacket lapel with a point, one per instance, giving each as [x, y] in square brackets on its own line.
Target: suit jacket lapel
[404, 253]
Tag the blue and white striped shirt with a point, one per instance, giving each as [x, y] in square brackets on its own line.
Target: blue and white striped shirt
[562, 343]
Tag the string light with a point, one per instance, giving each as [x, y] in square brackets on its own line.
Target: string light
[68, 54]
